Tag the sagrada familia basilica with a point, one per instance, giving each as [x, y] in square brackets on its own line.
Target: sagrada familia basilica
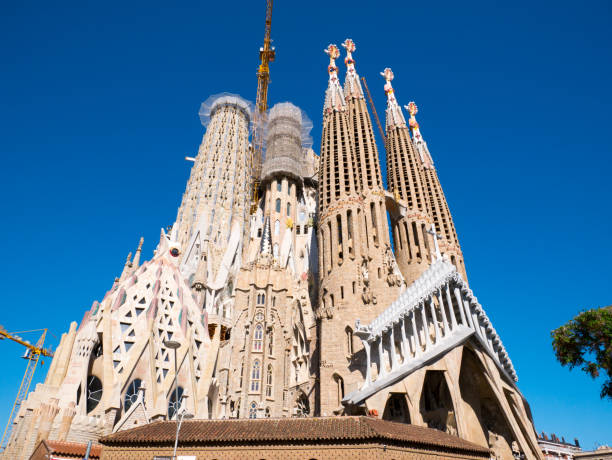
[308, 302]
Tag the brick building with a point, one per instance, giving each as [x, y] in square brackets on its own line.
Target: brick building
[324, 438]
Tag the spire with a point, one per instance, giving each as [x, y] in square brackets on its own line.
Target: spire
[266, 245]
[352, 85]
[126, 267]
[333, 96]
[136, 261]
[395, 117]
[417, 139]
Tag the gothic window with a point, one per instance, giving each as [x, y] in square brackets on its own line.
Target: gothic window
[278, 204]
[279, 186]
[269, 381]
[349, 340]
[131, 394]
[258, 338]
[339, 388]
[255, 376]
[276, 227]
[261, 298]
[270, 341]
[288, 209]
[253, 410]
[94, 392]
[174, 404]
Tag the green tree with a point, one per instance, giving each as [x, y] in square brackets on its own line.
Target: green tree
[586, 341]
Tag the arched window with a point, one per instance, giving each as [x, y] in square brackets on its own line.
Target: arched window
[269, 381]
[276, 227]
[131, 394]
[349, 340]
[253, 410]
[270, 342]
[288, 209]
[278, 205]
[279, 186]
[255, 376]
[258, 338]
[174, 404]
[94, 392]
[339, 388]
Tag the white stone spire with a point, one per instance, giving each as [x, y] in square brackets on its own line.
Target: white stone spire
[395, 117]
[334, 99]
[266, 243]
[352, 85]
[417, 138]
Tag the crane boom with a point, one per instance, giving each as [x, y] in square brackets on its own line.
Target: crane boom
[33, 354]
[266, 55]
[382, 133]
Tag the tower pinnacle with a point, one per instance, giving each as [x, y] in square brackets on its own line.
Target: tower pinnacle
[352, 85]
[419, 142]
[395, 117]
[333, 95]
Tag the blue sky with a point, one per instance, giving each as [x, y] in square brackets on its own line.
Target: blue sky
[99, 106]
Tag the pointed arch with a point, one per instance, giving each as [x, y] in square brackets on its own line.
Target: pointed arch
[396, 409]
[436, 404]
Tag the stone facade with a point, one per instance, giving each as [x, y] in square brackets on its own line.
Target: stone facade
[296, 305]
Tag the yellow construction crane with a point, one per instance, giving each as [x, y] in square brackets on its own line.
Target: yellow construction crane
[266, 55]
[32, 354]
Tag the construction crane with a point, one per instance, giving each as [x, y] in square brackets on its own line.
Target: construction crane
[382, 133]
[32, 354]
[266, 55]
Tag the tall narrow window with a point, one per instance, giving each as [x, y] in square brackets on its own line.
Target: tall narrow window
[374, 226]
[415, 234]
[276, 227]
[278, 205]
[339, 227]
[349, 229]
[253, 410]
[258, 338]
[255, 376]
[279, 186]
[288, 209]
[349, 340]
[269, 381]
[241, 374]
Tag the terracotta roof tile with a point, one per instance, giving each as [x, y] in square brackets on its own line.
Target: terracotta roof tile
[290, 430]
[73, 449]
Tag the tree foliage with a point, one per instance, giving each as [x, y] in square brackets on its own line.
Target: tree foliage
[586, 342]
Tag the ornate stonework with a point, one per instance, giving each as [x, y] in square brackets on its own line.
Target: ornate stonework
[299, 308]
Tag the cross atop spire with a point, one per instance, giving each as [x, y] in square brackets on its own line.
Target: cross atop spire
[395, 117]
[418, 140]
[333, 95]
[352, 85]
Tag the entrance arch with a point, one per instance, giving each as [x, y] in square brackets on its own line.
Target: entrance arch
[436, 404]
[396, 409]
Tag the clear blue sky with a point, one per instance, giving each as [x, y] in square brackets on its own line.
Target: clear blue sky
[99, 105]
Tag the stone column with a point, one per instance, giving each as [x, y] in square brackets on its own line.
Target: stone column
[48, 412]
[67, 415]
